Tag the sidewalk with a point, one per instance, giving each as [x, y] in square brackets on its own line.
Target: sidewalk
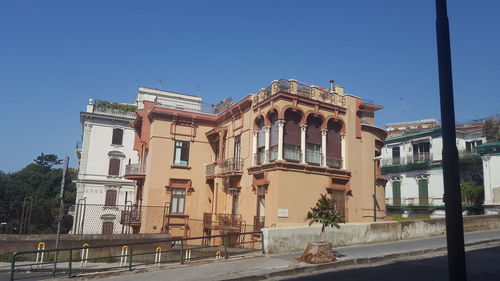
[259, 268]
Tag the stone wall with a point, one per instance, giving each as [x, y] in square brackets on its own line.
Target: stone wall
[10, 243]
[293, 239]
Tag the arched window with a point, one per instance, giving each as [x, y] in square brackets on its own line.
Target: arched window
[117, 137]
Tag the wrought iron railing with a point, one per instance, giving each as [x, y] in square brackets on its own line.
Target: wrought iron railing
[231, 165]
[334, 162]
[258, 222]
[273, 153]
[291, 152]
[313, 157]
[419, 157]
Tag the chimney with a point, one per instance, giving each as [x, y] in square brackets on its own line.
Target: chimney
[332, 83]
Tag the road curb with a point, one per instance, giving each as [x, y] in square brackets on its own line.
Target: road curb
[345, 263]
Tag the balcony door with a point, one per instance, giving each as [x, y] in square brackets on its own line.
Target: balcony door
[237, 152]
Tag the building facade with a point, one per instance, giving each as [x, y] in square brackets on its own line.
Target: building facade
[262, 161]
[490, 154]
[105, 148]
[412, 163]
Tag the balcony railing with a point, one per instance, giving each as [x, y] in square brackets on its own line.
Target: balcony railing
[104, 107]
[232, 165]
[273, 154]
[313, 157]
[135, 170]
[299, 89]
[258, 223]
[419, 158]
[291, 152]
[210, 169]
[334, 162]
[416, 158]
[131, 217]
[185, 104]
[259, 157]
[392, 161]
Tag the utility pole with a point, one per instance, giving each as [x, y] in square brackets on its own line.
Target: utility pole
[453, 203]
[61, 210]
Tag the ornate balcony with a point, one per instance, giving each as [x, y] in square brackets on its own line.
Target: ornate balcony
[135, 171]
[231, 166]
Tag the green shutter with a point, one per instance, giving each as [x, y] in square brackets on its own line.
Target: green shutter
[396, 193]
[423, 192]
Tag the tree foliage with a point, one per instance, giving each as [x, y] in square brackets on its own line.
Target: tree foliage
[41, 182]
[324, 213]
[471, 193]
[491, 129]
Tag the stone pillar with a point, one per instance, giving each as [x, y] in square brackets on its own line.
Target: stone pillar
[281, 125]
[343, 151]
[267, 142]
[254, 146]
[303, 129]
[323, 147]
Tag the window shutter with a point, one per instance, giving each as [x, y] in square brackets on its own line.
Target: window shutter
[423, 193]
[396, 193]
[110, 198]
[292, 129]
[107, 227]
[314, 132]
[114, 167]
[117, 136]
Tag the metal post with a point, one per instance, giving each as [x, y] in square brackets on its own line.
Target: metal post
[61, 210]
[262, 241]
[70, 262]
[226, 255]
[453, 206]
[13, 266]
[130, 257]
[182, 252]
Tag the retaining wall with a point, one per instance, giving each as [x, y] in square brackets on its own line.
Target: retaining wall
[294, 239]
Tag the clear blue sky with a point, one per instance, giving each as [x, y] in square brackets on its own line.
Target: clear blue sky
[55, 55]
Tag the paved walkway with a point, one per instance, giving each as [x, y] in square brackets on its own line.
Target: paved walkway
[261, 267]
[275, 265]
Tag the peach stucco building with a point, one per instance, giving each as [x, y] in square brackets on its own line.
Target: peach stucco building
[262, 161]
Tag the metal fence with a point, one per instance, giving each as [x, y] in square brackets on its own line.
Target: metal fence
[72, 262]
[41, 218]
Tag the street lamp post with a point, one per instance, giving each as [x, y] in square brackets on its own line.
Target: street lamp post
[453, 204]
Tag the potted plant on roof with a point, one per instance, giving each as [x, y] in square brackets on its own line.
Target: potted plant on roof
[324, 213]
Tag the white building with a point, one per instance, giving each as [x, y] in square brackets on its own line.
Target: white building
[104, 150]
[411, 161]
[106, 201]
[490, 153]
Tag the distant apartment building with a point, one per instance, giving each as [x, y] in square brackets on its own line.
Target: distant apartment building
[490, 154]
[105, 148]
[261, 161]
[412, 163]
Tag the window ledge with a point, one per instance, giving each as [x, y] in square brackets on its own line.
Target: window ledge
[111, 208]
[180, 167]
[117, 145]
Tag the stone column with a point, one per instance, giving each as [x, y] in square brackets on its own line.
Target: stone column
[281, 125]
[267, 142]
[303, 129]
[254, 146]
[323, 147]
[343, 151]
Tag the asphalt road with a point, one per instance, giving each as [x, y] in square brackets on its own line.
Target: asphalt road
[482, 264]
